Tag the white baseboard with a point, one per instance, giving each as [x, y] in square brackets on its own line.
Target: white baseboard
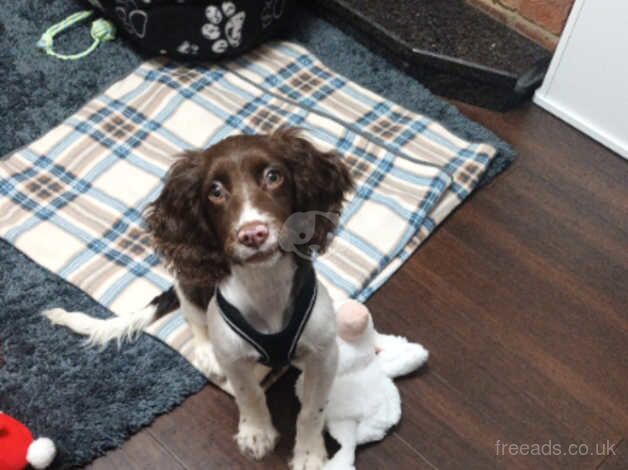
[581, 123]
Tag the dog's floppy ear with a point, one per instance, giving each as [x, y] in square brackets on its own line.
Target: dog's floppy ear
[321, 180]
[180, 226]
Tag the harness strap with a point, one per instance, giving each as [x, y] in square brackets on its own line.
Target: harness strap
[276, 349]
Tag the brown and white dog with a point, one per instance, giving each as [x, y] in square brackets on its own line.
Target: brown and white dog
[218, 223]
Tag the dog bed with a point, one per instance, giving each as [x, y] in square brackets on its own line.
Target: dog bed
[73, 199]
[194, 29]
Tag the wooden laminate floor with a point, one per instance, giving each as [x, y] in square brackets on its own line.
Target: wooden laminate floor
[521, 296]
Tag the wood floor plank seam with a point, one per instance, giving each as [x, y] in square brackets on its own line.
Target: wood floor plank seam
[609, 456]
[167, 449]
[414, 450]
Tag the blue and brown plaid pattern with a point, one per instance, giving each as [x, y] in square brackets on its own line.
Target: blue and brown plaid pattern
[73, 199]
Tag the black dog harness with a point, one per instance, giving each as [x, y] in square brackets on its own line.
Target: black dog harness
[276, 349]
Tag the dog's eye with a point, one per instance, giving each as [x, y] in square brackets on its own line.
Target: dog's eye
[216, 192]
[272, 178]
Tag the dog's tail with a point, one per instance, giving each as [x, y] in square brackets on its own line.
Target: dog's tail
[100, 331]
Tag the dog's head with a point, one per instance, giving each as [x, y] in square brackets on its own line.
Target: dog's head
[230, 203]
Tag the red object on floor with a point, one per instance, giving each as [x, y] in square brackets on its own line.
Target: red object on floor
[15, 438]
[18, 449]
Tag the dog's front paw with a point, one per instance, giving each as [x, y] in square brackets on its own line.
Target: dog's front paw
[205, 361]
[308, 460]
[256, 442]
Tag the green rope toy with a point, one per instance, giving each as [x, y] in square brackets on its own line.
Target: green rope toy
[101, 31]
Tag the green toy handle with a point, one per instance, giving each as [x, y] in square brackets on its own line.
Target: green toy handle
[101, 31]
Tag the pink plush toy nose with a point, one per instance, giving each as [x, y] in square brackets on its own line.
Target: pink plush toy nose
[353, 319]
[253, 234]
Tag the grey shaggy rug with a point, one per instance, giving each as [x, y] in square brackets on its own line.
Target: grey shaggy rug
[90, 401]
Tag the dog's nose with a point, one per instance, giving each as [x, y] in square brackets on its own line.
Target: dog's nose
[253, 234]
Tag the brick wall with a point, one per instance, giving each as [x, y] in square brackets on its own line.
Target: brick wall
[540, 20]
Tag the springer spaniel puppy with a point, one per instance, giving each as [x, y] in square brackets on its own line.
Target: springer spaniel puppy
[219, 223]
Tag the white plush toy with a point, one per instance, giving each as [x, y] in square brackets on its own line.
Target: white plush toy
[364, 403]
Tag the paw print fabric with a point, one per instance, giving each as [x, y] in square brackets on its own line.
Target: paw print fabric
[224, 26]
[194, 29]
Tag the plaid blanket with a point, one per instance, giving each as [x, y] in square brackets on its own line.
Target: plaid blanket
[73, 199]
